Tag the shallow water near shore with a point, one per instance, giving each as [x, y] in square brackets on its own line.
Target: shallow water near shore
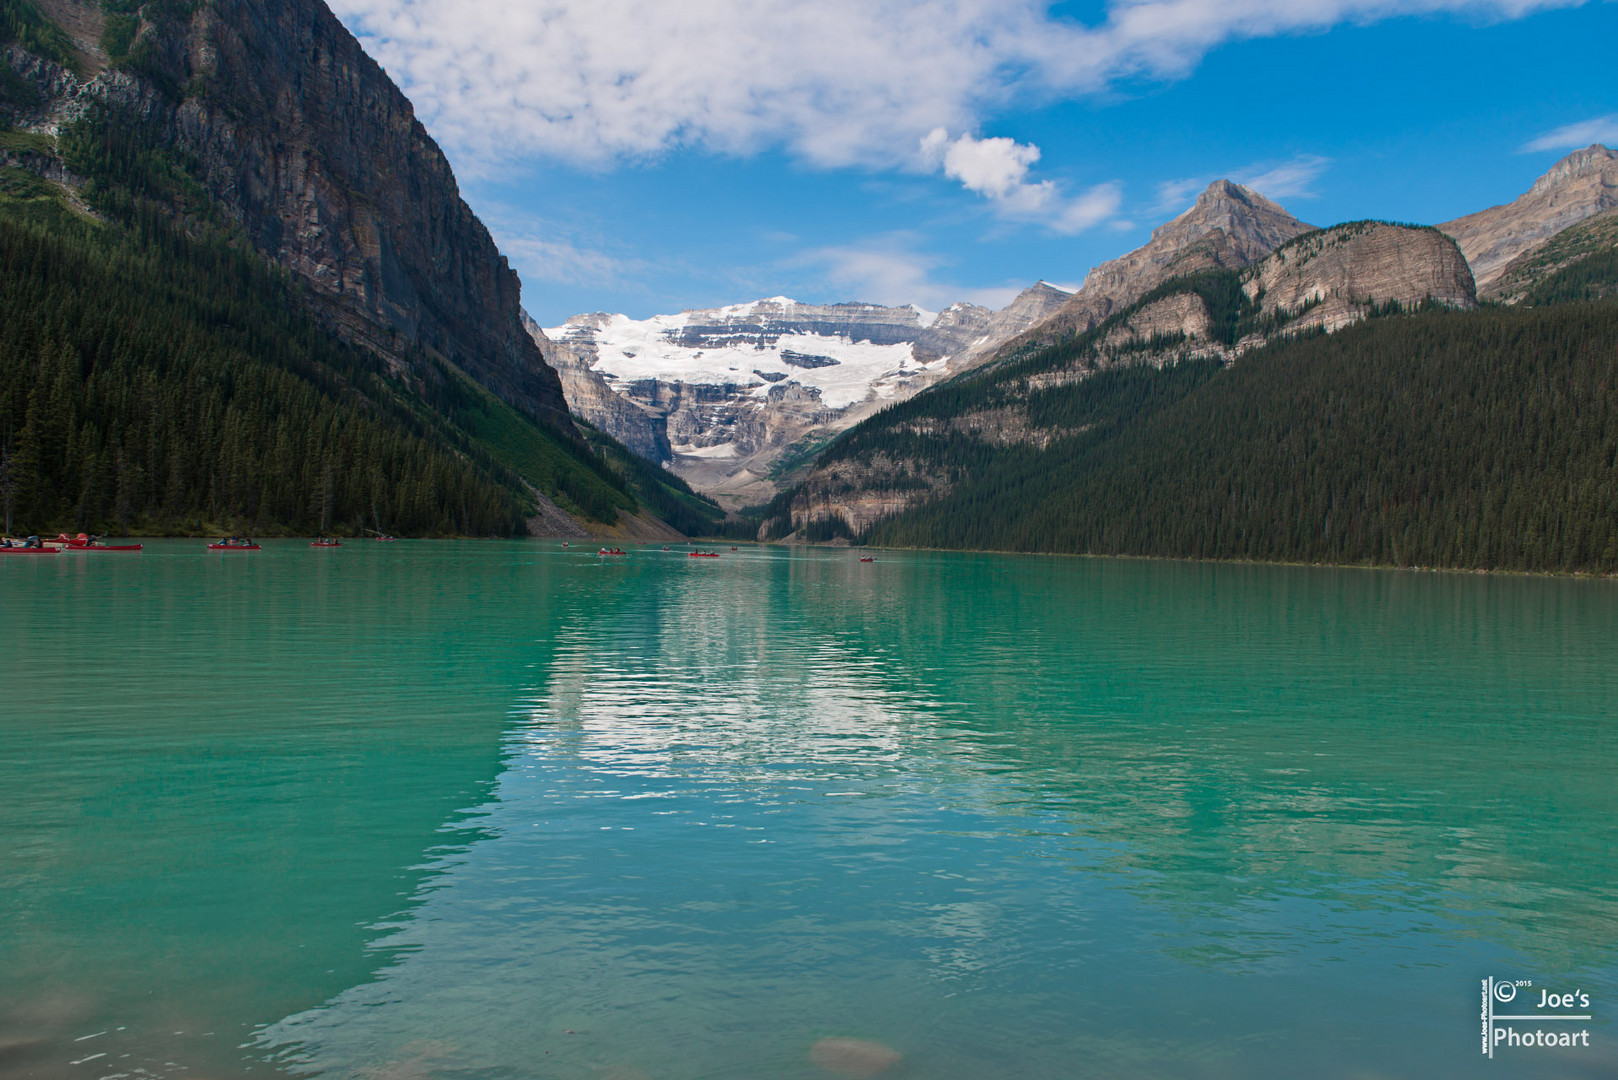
[479, 809]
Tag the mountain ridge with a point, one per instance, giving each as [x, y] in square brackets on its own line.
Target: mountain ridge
[1318, 282]
[1580, 185]
[724, 396]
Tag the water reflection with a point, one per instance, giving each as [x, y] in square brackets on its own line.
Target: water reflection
[1016, 817]
[216, 775]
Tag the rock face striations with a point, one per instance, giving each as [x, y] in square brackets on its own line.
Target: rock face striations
[1228, 228]
[301, 138]
[1331, 278]
[730, 397]
[1581, 185]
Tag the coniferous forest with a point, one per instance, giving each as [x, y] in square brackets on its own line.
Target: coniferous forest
[164, 384]
[1482, 440]
[158, 376]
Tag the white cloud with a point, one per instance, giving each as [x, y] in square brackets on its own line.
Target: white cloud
[888, 272]
[993, 167]
[1603, 129]
[836, 82]
[1176, 196]
[997, 168]
[1290, 179]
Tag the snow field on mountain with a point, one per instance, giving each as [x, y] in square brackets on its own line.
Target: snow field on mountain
[628, 350]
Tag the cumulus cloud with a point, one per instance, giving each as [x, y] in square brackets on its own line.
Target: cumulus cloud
[997, 168]
[835, 82]
[1603, 129]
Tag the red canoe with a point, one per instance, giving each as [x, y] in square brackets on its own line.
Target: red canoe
[866, 558]
[704, 555]
[83, 542]
[612, 551]
[325, 543]
[27, 551]
[233, 547]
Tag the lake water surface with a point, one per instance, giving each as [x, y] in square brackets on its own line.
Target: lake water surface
[484, 810]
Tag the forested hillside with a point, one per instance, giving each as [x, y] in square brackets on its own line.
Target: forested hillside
[182, 349]
[156, 377]
[1484, 439]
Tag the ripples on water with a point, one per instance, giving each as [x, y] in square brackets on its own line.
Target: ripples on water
[1012, 817]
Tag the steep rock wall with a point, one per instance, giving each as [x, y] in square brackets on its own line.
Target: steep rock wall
[302, 139]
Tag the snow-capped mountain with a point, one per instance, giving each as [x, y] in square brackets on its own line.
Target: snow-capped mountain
[726, 396]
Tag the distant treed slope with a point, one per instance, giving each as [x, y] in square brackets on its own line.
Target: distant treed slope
[174, 386]
[1575, 264]
[1473, 440]
[662, 492]
[1582, 184]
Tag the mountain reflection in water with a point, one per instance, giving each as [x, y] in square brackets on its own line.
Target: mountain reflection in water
[1016, 817]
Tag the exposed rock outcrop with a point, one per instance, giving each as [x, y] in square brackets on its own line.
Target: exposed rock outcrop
[302, 139]
[1579, 186]
[1330, 278]
[592, 399]
[1183, 315]
[1229, 227]
[1520, 276]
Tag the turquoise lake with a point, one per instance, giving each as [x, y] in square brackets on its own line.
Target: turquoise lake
[484, 810]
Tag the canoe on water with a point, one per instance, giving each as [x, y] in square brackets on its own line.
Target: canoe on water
[84, 542]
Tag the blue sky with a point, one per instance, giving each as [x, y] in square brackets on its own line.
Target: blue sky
[644, 156]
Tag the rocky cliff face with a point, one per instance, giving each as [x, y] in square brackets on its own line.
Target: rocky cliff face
[1331, 278]
[302, 139]
[1229, 227]
[592, 399]
[728, 397]
[1579, 186]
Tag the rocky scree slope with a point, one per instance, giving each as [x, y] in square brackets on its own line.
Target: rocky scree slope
[729, 397]
[1321, 281]
[1586, 252]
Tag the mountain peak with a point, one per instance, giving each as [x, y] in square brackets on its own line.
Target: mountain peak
[1253, 225]
[1579, 186]
[1592, 160]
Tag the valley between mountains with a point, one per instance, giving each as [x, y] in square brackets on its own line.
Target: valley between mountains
[241, 291]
